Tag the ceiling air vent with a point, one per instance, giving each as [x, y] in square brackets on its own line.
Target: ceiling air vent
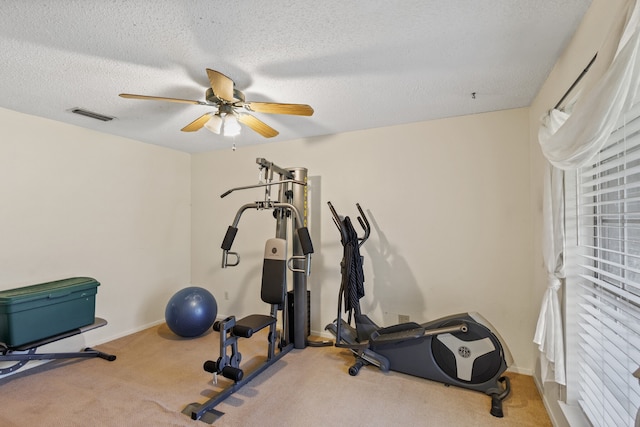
[91, 114]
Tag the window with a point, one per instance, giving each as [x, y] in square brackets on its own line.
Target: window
[603, 279]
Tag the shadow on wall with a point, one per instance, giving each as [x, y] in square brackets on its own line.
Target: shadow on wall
[244, 291]
[395, 289]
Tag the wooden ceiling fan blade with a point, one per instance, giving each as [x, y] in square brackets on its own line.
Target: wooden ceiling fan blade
[160, 98]
[275, 108]
[222, 85]
[197, 123]
[257, 125]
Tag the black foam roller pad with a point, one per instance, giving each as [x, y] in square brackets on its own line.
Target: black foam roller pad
[228, 238]
[305, 240]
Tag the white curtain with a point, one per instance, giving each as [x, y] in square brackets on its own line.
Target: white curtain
[549, 333]
[568, 140]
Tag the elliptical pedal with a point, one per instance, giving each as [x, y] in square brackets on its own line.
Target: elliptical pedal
[497, 398]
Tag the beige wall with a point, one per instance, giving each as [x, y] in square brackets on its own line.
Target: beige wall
[75, 202]
[585, 44]
[448, 201]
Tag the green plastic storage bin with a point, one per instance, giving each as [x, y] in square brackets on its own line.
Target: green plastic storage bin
[32, 313]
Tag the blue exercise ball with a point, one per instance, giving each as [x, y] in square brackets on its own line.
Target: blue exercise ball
[191, 311]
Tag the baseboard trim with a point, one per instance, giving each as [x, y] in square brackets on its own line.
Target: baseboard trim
[561, 413]
[125, 333]
[553, 415]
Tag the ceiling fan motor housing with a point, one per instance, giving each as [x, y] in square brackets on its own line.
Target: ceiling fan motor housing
[238, 96]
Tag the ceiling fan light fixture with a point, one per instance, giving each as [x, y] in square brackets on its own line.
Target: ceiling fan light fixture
[214, 124]
[231, 125]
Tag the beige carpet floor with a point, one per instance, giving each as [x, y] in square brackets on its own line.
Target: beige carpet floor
[157, 374]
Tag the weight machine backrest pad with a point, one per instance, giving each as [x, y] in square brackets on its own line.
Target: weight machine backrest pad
[274, 272]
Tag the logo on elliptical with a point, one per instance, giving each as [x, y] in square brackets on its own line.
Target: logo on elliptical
[464, 351]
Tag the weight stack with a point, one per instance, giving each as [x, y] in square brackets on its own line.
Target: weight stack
[290, 304]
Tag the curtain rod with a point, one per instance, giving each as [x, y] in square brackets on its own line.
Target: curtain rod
[573, 85]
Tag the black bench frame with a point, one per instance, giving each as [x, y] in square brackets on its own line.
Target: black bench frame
[27, 352]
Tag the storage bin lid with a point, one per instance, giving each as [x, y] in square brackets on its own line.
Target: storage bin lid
[54, 289]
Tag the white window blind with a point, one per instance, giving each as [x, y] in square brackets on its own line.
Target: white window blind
[608, 222]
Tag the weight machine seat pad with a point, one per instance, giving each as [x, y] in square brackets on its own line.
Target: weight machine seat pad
[247, 326]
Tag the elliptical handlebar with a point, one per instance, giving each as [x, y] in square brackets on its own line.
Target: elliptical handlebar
[364, 223]
[336, 220]
[362, 219]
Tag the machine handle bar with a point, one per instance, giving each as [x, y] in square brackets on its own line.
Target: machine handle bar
[307, 263]
[268, 184]
[303, 232]
[362, 219]
[364, 223]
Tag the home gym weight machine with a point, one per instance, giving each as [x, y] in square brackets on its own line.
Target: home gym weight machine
[290, 204]
[461, 350]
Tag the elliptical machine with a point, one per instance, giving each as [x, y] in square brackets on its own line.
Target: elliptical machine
[460, 350]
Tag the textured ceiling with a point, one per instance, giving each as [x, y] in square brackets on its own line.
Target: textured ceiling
[359, 64]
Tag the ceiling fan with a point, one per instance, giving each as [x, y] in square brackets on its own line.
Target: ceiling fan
[228, 100]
